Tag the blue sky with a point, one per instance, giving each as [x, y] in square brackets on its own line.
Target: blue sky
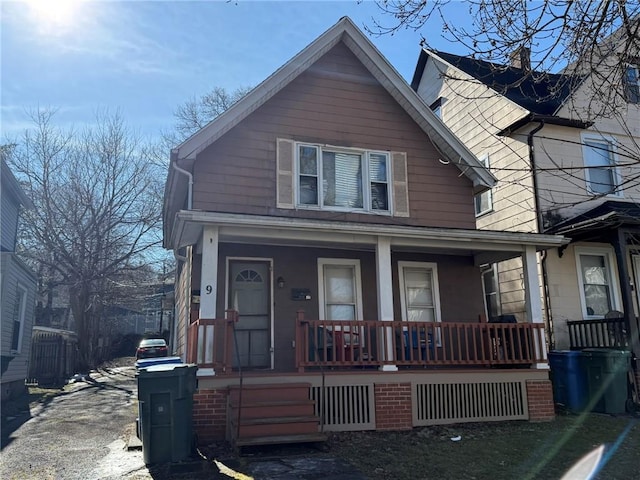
[144, 58]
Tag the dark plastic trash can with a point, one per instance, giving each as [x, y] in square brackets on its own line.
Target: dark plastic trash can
[165, 404]
[607, 378]
[150, 362]
[569, 380]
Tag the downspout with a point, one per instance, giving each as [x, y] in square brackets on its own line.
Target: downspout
[179, 258]
[540, 226]
[189, 175]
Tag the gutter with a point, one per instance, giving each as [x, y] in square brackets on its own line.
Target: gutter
[548, 119]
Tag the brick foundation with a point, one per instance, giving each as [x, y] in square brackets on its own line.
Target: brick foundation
[210, 415]
[540, 400]
[393, 406]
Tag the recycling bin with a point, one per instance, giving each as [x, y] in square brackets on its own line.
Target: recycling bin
[569, 380]
[165, 408]
[606, 371]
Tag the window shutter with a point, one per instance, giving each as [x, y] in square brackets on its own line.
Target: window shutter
[285, 159]
[400, 184]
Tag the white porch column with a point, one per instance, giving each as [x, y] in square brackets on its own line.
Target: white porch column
[208, 295]
[533, 300]
[209, 278]
[385, 294]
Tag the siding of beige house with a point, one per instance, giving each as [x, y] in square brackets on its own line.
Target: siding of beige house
[475, 114]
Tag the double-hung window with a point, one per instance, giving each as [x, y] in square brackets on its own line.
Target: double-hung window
[19, 311]
[484, 200]
[600, 166]
[491, 290]
[631, 82]
[332, 178]
[597, 282]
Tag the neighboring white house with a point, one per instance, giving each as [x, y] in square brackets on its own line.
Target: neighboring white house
[565, 150]
[18, 286]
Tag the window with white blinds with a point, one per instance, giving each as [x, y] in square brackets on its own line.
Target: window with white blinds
[335, 179]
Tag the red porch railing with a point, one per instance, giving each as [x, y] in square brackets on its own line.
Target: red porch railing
[362, 343]
[210, 342]
[375, 343]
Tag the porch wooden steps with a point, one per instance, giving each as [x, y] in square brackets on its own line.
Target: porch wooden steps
[272, 414]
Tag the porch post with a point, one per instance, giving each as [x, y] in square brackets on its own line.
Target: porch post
[533, 300]
[209, 285]
[619, 242]
[385, 296]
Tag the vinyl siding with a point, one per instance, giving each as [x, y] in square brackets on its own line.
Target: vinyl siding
[475, 114]
[335, 102]
[9, 223]
[15, 272]
[183, 304]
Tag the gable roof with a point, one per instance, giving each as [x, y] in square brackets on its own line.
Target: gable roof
[346, 32]
[13, 186]
[541, 94]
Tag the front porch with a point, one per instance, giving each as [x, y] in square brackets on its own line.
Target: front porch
[379, 375]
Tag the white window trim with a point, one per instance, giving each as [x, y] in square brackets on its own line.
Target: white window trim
[493, 268]
[617, 178]
[22, 313]
[436, 292]
[366, 192]
[636, 67]
[321, 294]
[610, 265]
[484, 159]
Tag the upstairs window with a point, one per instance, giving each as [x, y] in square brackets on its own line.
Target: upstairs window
[343, 179]
[436, 107]
[599, 161]
[631, 82]
[484, 200]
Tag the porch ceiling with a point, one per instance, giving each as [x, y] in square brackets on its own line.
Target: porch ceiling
[484, 245]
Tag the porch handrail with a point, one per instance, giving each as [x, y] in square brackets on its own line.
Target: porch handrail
[370, 343]
[209, 342]
[599, 333]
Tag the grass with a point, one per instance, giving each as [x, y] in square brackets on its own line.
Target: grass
[496, 451]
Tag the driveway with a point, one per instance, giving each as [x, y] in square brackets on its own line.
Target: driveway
[83, 434]
[79, 434]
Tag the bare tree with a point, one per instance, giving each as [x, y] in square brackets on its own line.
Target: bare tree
[544, 49]
[556, 32]
[96, 216]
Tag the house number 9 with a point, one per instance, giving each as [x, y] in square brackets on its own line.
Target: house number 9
[209, 289]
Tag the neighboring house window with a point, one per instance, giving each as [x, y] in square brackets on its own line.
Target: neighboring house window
[436, 107]
[342, 179]
[599, 161]
[484, 200]
[19, 311]
[339, 294]
[491, 291]
[632, 83]
[597, 285]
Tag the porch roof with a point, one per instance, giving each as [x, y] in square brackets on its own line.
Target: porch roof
[607, 216]
[486, 246]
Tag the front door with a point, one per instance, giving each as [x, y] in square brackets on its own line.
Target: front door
[249, 293]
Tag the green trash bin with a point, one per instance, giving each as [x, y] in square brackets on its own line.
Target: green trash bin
[165, 407]
[606, 371]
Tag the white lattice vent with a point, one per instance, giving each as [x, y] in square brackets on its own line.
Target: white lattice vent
[345, 407]
[441, 403]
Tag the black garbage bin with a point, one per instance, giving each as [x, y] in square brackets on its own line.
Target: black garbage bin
[606, 371]
[165, 407]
